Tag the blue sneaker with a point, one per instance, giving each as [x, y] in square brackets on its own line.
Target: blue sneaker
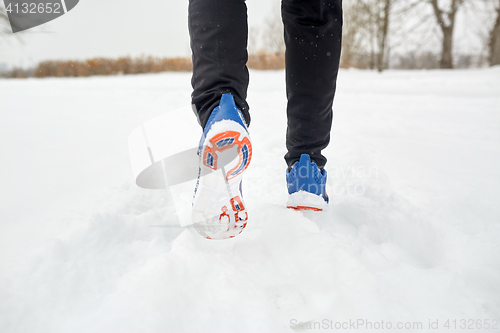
[306, 185]
[225, 152]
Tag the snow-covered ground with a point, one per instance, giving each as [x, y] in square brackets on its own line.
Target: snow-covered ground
[412, 234]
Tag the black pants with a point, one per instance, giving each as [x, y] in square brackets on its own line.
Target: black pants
[313, 31]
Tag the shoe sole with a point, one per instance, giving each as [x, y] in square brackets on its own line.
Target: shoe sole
[218, 208]
[305, 208]
[303, 200]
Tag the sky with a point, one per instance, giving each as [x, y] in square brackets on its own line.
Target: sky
[113, 28]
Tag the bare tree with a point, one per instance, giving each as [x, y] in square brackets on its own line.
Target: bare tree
[376, 25]
[383, 30]
[273, 40]
[253, 39]
[367, 29]
[494, 40]
[4, 21]
[354, 35]
[5, 29]
[446, 21]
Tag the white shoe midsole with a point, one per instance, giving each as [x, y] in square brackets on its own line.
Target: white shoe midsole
[305, 200]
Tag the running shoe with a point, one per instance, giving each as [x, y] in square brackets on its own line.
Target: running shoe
[225, 151]
[306, 185]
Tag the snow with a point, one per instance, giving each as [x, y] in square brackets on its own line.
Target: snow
[411, 235]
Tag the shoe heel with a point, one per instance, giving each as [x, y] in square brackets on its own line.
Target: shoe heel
[224, 141]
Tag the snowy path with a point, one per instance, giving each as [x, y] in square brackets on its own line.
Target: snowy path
[412, 234]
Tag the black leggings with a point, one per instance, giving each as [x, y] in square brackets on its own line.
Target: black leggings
[313, 32]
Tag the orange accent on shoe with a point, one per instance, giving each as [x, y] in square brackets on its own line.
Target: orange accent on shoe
[305, 208]
[236, 202]
[214, 149]
[224, 213]
[238, 207]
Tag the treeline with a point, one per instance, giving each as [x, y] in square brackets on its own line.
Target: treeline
[405, 34]
[266, 61]
[377, 34]
[127, 65]
[105, 66]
